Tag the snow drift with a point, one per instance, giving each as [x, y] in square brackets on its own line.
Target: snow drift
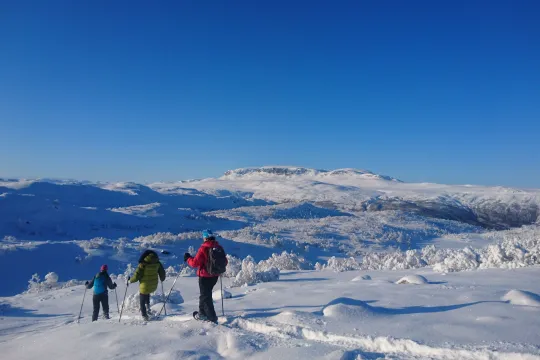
[520, 297]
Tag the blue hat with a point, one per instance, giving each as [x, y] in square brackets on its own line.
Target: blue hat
[207, 233]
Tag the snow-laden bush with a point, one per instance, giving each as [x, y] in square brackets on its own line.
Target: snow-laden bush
[518, 248]
[250, 275]
[188, 271]
[50, 282]
[4, 248]
[410, 259]
[512, 253]
[159, 238]
[284, 261]
[457, 260]
[171, 271]
[233, 267]
[51, 278]
[339, 264]
[120, 245]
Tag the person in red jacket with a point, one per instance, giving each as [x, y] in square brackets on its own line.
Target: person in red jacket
[207, 281]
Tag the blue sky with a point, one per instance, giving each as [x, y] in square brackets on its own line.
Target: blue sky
[128, 90]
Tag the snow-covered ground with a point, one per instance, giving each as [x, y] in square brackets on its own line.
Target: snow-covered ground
[321, 266]
[306, 314]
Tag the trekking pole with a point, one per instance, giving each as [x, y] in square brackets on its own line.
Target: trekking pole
[164, 300]
[170, 291]
[221, 283]
[80, 312]
[124, 301]
[116, 294]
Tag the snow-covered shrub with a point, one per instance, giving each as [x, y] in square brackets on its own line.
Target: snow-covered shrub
[90, 246]
[340, 264]
[410, 259]
[513, 252]
[128, 272]
[51, 278]
[188, 271]
[457, 260]
[7, 247]
[233, 267]
[35, 285]
[249, 275]
[192, 235]
[171, 271]
[159, 238]
[120, 245]
[284, 261]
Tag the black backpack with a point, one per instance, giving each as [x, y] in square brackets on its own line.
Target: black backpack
[217, 260]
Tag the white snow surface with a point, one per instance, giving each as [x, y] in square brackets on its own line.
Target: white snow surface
[306, 314]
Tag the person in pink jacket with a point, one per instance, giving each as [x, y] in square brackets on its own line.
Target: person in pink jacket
[211, 262]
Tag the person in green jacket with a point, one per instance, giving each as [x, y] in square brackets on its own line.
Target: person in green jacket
[147, 273]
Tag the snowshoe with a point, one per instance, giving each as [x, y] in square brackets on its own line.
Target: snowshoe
[199, 317]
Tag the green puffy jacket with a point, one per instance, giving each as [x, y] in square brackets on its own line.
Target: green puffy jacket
[147, 273]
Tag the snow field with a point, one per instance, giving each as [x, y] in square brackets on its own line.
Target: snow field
[304, 313]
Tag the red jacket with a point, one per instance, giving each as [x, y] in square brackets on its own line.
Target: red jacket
[200, 260]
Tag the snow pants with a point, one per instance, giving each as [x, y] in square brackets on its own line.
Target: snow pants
[102, 299]
[144, 301]
[206, 303]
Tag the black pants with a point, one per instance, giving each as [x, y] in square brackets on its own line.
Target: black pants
[206, 303]
[102, 298]
[145, 303]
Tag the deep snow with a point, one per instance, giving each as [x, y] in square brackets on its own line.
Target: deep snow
[304, 314]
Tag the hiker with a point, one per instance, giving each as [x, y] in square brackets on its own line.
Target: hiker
[211, 262]
[147, 273]
[100, 283]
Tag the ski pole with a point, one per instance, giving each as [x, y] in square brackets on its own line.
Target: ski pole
[124, 301]
[163, 294]
[116, 294]
[170, 291]
[80, 312]
[221, 283]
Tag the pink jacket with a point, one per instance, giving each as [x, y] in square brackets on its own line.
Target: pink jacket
[200, 260]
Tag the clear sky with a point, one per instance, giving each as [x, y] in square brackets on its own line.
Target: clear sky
[440, 91]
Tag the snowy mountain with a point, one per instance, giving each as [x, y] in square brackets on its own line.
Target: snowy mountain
[361, 190]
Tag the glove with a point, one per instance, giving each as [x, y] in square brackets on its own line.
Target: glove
[114, 286]
[186, 256]
[86, 283]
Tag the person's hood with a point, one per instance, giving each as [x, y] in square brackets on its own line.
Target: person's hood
[146, 258]
[151, 258]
